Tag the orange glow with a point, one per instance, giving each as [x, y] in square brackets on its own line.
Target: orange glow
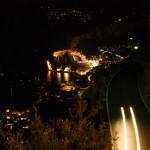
[68, 88]
[49, 76]
[93, 63]
[7, 110]
[72, 52]
[59, 69]
[49, 65]
[66, 76]
[67, 69]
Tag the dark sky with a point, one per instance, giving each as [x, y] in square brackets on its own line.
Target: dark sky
[24, 25]
[110, 4]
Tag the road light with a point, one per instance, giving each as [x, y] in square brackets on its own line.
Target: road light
[136, 47]
[131, 38]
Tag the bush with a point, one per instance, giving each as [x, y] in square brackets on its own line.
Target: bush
[75, 132]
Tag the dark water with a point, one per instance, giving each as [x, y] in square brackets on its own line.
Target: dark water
[23, 89]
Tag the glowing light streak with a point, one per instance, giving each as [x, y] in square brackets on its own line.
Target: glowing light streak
[125, 129]
[135, 128]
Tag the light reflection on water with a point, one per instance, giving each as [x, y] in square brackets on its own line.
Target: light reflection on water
[59, 77]
[49, 76]
[66, 76]
[20, 89]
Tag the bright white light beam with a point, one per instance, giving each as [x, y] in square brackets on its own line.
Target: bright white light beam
[125, 129]
[135, 128]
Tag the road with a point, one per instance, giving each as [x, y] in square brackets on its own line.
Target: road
[123, 92]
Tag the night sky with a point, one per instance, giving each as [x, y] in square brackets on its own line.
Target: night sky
[101, 3]
[25, 28]
[82, 4]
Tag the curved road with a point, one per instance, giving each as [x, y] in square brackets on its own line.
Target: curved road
[123, 92]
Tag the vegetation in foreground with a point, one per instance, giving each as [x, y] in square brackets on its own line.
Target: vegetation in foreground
[78, 131]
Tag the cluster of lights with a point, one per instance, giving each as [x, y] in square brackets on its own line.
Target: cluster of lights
[117, 61]
[83, 61]
[86, 64]
[61, 15]
[89, 63]
[82, 70]
[60, 53]
[13, 117]
[66, 69]
[115, 47]
[68, 88]
[104, 57]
